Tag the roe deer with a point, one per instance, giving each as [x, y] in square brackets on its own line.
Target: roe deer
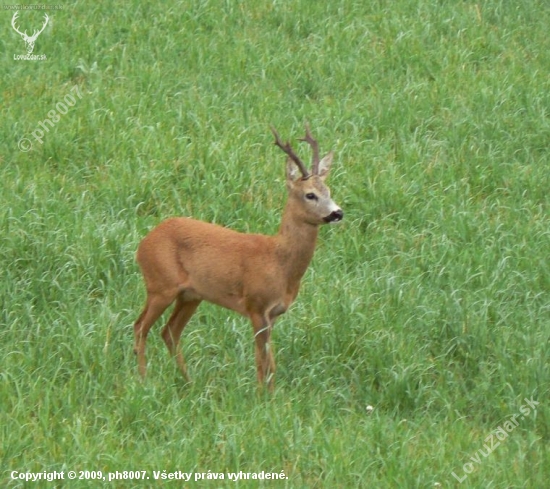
[258, 276]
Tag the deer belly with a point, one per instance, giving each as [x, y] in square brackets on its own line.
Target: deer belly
[222, 293]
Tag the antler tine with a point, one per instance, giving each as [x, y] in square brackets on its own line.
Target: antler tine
[13, 19]
[315, 147]
[288, 150]
[46, 18]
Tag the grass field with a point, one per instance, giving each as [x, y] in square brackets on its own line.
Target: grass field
[429, 302]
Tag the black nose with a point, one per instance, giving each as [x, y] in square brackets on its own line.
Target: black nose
[335, 216]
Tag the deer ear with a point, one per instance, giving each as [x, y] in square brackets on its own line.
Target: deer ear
[292, 172]
[324, 165]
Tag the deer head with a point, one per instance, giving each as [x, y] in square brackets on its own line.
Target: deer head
[309, 189]
[29, 40]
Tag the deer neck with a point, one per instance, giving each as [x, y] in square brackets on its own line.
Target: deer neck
[296, 243]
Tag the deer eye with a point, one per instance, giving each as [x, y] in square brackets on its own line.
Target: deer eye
[311, 196]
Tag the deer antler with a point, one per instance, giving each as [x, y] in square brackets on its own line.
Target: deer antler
[13, 19]
[37, 33]
[315, 147]
[288, 150]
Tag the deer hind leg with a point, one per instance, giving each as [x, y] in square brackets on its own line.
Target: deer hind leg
[155, 306]
[183, 310]
[265, 362]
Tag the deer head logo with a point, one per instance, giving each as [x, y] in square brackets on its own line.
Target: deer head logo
[29, 40]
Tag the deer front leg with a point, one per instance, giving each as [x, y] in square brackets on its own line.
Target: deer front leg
[265, 363]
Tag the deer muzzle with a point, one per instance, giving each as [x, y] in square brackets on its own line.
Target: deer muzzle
[334, 216]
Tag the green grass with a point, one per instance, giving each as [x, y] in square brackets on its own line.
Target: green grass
[429, 302]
